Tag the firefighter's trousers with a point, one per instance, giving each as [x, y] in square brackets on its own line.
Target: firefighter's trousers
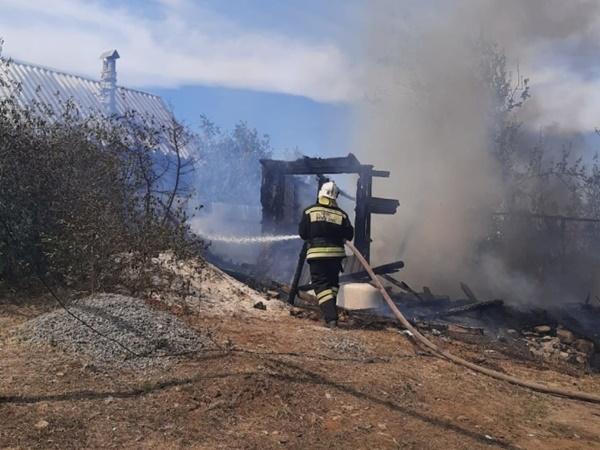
[325, 277]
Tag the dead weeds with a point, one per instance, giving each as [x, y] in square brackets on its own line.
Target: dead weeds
[284, 383]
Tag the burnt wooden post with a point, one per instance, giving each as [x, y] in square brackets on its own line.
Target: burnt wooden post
[362, 221]
[272, 198]
[298, 274]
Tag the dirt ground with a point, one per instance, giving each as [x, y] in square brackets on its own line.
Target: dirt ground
[284, 382]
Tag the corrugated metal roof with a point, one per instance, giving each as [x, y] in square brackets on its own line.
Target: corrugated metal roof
[38, 84]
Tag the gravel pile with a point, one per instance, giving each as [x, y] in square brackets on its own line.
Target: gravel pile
[345, 345]
[129, 321]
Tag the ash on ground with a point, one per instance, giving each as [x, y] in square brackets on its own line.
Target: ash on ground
[195, 285]
[156, 336]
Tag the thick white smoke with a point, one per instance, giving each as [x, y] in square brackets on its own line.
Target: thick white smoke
[428, 117]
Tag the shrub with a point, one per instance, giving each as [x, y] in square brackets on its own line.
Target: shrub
[77, 189]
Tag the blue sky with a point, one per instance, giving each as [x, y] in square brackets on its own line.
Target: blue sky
[295, 69]
[314, 127]
[291, 121]
[283, 67]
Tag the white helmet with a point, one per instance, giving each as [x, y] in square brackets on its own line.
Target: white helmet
[329, 190]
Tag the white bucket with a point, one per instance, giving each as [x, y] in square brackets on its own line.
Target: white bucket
[353, 296]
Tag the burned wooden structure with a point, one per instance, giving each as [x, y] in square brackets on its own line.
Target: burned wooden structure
[279, 196]
[281, 202]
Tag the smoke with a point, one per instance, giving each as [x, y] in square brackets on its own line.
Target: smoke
[219, 223]
[428, 116]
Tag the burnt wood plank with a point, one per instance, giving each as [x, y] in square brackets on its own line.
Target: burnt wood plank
[379, 205]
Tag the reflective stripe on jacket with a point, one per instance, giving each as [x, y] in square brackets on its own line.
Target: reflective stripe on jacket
[325, 227]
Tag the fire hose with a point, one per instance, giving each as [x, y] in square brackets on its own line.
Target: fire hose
[583, 396]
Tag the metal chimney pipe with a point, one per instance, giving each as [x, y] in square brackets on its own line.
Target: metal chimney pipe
[108, 81]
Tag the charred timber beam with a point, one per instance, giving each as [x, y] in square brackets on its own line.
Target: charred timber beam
[294, 287]
[468, 308]
[384, 269]
[381, 173]
[383, 205]
[316, 166]
[306, 300]
[469, 293]
[428, 295]
[310, 166]
[362, 220]
[392, 267]
[392, 280]
[405, 287]
[402, 285]
[272, 199]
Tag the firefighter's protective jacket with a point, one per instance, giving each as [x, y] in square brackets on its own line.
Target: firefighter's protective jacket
[325, 227]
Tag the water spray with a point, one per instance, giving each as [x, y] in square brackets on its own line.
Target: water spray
[248, 239]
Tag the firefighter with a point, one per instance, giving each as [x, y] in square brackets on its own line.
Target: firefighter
[325, 226]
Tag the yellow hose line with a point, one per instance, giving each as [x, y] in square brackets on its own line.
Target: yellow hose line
[455, 359]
